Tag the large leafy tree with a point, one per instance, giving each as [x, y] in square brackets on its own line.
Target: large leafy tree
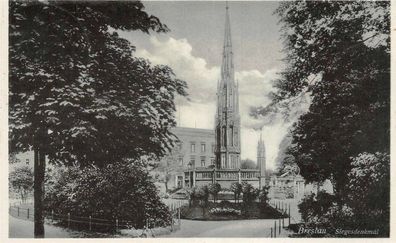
[76, 93]
[339, 54]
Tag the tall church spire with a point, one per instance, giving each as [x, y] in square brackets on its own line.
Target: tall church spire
[227, 66]
[261, 159]
[227, 122]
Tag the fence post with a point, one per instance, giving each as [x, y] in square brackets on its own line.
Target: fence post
[116, 224]
[178, 216]
[289, 215]
[279, 226]
[52, 215]
[28, 213]
[18, 211]
[90, 223]
[283, 222]
[271, 233]
[68, 220]
[275, 229]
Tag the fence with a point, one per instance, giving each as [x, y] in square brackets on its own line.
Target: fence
[100, 224]
[282, 223]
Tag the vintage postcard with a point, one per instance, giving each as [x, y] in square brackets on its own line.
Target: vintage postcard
[198, 119]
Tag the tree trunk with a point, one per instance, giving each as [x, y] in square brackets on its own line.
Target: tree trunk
[39, 170]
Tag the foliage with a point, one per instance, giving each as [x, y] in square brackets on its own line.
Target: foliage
[248, 164]
[214, 190]
[263, 195]
[369, 190]
[168, 165]
[224, 211]
[123, 191]
[249, 194]
[338, 53]
[236, 188]
[21, 181]
[76, 90]
[313, 207]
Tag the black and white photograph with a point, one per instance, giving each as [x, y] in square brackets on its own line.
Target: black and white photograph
[197, 119]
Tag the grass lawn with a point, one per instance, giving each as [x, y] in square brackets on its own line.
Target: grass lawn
[229, 211]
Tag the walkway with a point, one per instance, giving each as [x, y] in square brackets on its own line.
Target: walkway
[232, 228]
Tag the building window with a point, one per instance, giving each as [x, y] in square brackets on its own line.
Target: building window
[192, 161]
[203, 161]
[232, 135]
[180, 160]
[192, 147]
[203, 148]
[224, 137]
[27, 161]
[212, 161]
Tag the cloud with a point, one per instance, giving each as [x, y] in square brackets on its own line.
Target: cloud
[199, 111]
[201, 79]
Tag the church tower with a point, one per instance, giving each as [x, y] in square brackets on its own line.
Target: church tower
[261, 160]
[227, 120]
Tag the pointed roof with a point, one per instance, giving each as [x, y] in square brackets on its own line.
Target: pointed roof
[227, 66]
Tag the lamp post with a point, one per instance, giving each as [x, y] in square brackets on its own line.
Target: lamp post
[189, 165]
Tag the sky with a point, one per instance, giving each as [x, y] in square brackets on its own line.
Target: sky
[193, 49]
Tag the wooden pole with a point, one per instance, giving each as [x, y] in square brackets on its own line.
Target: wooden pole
[279, 226]
[68, 220]
[18, 211]
[116, 224]
[289, 214]
[275, 230]
[28, 213]
[90, 223]
[271, 233]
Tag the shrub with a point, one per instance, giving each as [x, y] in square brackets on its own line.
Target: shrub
[21, 181]
[214, 190]
[236, 188]
[122, 191]
[224, 211]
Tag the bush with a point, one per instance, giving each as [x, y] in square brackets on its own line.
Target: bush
[236, 188]
[249, 194]
[122, 191]
[214, 190]
[313, 208]
[21, 181]
[224, 211]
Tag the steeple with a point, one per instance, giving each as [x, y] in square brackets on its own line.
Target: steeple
[227, 121]
[227, 66]
[261, 155]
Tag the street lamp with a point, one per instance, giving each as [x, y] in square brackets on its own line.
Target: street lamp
[189, 165]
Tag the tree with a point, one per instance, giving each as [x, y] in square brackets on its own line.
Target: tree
[77, 94]
[249, 194]
[369, 190]
[168, 165]
[338, 53]
[123, 191]
[236, 188]
[248, 164]
[263, 196]
[214, 190]
[21, 181]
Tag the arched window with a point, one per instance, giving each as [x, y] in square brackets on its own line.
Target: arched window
[232, 135]
[224, 136]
